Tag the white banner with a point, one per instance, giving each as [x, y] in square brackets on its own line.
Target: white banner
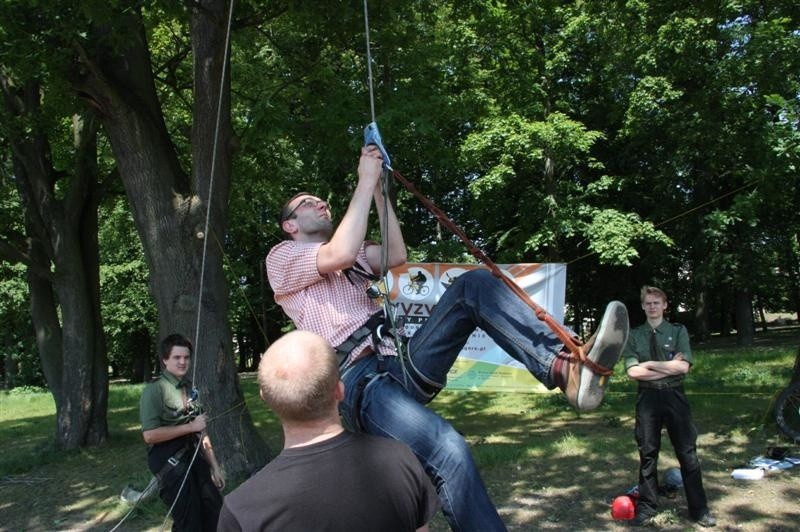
[482, 364]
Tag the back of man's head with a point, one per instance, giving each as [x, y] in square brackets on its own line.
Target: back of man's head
[298, 377]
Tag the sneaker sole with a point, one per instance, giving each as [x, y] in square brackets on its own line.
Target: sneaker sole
[609, 341]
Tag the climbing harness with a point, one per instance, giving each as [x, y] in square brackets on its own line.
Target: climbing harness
[374, 328]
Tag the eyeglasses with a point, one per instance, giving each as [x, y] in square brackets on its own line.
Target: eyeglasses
[308, 202]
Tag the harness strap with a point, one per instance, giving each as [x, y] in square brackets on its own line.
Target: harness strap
[373, 327]
[172, 462]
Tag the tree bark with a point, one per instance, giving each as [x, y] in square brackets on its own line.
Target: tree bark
[724, 302]
[85, 129]
[169, 210]
[239, 446]
[790, 261]
[762, 316]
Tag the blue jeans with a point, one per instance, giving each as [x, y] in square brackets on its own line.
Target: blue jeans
[389, 402]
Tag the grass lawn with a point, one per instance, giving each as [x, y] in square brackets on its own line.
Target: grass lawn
[546, 466]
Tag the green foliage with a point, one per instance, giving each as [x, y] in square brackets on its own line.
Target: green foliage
[616, 234]
[505, 149]
[16, 332]
[26, 390]
[649, 105]
[129, 313]
[637, 141]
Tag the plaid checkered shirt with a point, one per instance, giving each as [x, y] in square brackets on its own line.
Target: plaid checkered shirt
[329, 305]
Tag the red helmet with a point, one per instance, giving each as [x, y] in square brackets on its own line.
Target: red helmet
[623, 508]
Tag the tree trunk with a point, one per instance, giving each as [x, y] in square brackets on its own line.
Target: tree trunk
[577, 323]
[9, 369]
[85, 129]
[762, 316]
[790, 260]
[700, 282]
[257, 342]
[238, 444]
[62, 231]
[724, 311]
[243, 348]
[745, 330]
[141, 349]
[701, 316]
[44, 315]
[169, 211]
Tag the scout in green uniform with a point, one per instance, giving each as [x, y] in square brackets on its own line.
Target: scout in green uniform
[659, 357]
[173, 425]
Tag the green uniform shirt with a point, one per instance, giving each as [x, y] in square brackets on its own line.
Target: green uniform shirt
[162, 403]
[671, 338]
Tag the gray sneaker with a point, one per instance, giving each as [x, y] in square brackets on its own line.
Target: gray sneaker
[585, 387]
[707, 520]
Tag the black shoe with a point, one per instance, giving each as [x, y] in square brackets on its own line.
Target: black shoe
[707, 520]
[641, 520]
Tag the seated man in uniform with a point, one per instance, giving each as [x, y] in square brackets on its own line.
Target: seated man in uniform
[173, 425]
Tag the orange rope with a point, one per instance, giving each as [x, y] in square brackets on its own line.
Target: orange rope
[571, 343]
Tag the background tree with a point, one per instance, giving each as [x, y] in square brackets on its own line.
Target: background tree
[114, 72]
[59, 249]
[19, 361]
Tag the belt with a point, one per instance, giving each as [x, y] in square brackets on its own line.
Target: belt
[171, 462]
[660, 385]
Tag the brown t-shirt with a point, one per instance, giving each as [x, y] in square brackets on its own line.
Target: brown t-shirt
[349, 482]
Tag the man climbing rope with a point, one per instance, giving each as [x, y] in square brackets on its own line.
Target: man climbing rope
[172, 426]
[323, 280]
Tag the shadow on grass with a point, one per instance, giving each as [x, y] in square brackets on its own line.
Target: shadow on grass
[548, 467]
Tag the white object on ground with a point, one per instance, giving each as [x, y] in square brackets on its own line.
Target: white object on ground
[748, 474]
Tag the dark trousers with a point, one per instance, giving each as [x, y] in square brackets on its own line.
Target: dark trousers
[667, 408]
[199, 502]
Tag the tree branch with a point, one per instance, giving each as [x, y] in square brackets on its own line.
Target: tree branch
[12, 254]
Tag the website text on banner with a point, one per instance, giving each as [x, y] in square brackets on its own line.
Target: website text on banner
[482, 365]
